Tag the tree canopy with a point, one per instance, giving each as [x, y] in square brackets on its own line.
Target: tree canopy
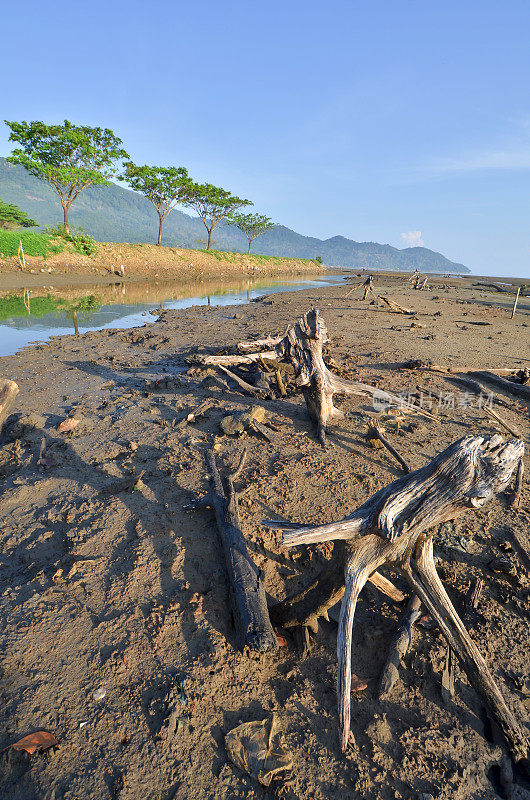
[165, 187]
[252, 225]
[12, 217]
[212, 204]
[68, 157]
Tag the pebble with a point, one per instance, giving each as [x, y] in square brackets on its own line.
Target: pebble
[99, 694]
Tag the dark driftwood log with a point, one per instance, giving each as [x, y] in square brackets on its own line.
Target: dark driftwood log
[519, 389]
[249, 603]
[8, 392]
[302, 346]
[392, 528]
[477, 389]
[518, 486]
[399, 647]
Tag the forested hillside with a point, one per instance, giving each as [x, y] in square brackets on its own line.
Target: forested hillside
[114, 214]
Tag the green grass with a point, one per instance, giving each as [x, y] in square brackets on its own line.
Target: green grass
[34, 244]
[223, 255]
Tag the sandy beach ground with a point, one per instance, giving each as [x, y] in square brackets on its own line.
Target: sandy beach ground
[108, 583]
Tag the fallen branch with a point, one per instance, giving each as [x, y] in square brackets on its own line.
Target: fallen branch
[518, 487]
[254, 346]
[399, 647]
[392, 528]
[518, 389]
[279, 382]
[473, 596]
[247, 591]
[502, 422]
[230, 361]
[353, 288]
[395, 307]
[247, 387]
[477, 389]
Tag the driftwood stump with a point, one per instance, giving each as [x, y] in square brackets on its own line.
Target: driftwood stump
[392, 527]
[302, 346]
[249, 604]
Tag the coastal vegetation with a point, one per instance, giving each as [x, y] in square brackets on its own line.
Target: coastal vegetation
[12, 217]
[67, 166]
[252, 225]
[68, 157]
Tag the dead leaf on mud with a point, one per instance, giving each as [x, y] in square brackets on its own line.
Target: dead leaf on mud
[256, 748]
[41, 740]
[357, 684]
[68, 425]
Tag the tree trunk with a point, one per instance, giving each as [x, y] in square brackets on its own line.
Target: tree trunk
[209, 238]
[66, 224]
[249, 243]
[159, 230]
[74, 317]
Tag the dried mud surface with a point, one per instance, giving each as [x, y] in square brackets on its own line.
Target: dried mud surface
[107, 582]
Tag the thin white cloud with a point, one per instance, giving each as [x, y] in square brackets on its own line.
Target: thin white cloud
[510, 153]
[413, 238]
[510, 159]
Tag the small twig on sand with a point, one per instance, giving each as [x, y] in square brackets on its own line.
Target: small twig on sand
[500, 420]
[375, 432]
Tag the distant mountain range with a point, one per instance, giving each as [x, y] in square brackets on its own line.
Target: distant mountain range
[114, 214]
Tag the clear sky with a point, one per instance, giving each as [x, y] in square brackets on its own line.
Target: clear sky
[396, 121]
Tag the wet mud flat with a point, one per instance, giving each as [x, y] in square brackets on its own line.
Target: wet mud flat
[116, 633]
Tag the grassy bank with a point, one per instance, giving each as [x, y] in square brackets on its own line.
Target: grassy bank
[44, 254]
[39, 245]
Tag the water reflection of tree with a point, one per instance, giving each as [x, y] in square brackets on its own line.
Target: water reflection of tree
[81, 305]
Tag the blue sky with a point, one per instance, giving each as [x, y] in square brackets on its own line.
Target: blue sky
[370, 120]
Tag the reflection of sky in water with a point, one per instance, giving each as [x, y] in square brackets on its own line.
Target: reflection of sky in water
[18, 332]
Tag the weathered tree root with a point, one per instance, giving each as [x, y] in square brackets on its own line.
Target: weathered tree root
[8, 392]
[391, 528]
[247, 591]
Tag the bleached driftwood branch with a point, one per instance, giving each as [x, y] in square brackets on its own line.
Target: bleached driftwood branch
[392, 527]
